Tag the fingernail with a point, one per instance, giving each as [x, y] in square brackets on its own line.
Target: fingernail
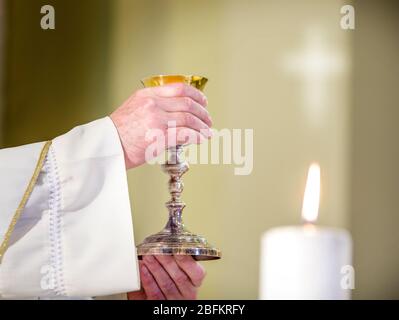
[179, 257]
[210, 120]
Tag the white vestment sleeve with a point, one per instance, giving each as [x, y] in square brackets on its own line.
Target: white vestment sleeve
[75, 235]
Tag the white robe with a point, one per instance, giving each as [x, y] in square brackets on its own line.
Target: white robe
[75, 235]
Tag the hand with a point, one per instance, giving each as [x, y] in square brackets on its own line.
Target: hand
[153, 108]
[169, 278]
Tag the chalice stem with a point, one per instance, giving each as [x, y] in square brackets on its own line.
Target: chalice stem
[176, 166]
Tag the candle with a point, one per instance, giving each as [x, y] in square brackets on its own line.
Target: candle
[305, 262]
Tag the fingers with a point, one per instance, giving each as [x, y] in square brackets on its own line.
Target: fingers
[187, 120]
[193, 269]
[163, 280]
[179, 90]
[187, 105]
[179, 277]
[149, 284]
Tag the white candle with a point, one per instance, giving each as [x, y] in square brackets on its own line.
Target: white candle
[305, 262]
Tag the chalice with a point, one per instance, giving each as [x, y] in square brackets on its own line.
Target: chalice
[175, 238]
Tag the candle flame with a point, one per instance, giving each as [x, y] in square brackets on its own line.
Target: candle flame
[311, 199]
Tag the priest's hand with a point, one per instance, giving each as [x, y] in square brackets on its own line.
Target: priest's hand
[151, 111]
[169, 278]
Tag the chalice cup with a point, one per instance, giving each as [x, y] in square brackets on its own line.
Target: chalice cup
[175, 238]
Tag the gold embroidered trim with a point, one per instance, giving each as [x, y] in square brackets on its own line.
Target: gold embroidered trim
[25, 198]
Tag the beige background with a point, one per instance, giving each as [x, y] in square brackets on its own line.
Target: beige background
[310, 90]
[375, 134]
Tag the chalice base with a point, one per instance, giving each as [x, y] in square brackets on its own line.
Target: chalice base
[182, 242]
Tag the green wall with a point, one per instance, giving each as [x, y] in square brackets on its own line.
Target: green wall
[55, 79]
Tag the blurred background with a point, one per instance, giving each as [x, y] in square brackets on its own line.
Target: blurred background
[311, 91]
